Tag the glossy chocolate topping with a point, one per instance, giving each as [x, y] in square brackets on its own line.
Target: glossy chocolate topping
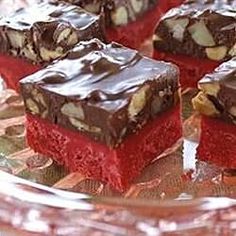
[45, 31]
[199, 28]
[117, 90]
[220, 88]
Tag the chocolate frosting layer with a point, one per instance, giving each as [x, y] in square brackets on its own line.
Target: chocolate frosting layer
[106, 91]
[43, 32]
[117, 12]
[199, 28]
[220, 88]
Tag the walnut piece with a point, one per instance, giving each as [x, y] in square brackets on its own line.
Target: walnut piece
[29, 52]
[232, 51]
[72, 110]
[32, 106]
[120, 16]
[42, 105]
[210, 88]
[217, 53]
[38, 97]
[232, 111]
[138, 102]
[137, 5]
[83, 126]
[72, 39]
[156, 38]
[177, 27]
[203, 105]
[17, 39]
[48, 55]
[201, 35]
[62, 35]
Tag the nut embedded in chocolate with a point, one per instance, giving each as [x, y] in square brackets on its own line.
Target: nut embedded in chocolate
[138, 102]
[137, 5]
[17, 39]
[65, 36]
[120, 16]
[39, 97]
[32, 106]
[202, 104]
[73, 111]
[217, 53]
[84, 127]
[232, 51]
[177, 27]
[49, 55]
[201, 35]
[232, 111]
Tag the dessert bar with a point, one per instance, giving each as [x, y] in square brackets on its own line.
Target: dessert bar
[103, 110]
[197, 36]
[217, 103]
[129, 22]
[38, 34]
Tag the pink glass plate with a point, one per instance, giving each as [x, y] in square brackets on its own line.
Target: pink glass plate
[175, 195]
[32, 209]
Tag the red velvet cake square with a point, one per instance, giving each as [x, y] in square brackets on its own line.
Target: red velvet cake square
[217, 103]
[129, 22]
[197, 36]
[38, 34]
[103, 110]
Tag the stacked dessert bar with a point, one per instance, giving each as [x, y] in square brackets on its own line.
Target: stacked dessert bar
[103, 110]
[216, 102]
[129, 22]
[36, 35]
[197, 36]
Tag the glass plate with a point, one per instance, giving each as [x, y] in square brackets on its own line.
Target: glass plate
[175, 195]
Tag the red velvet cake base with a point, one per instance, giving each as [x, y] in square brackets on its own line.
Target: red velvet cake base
[12, 70]
[191, 69]
[135, 33]
[119, 166]
[217, 143]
